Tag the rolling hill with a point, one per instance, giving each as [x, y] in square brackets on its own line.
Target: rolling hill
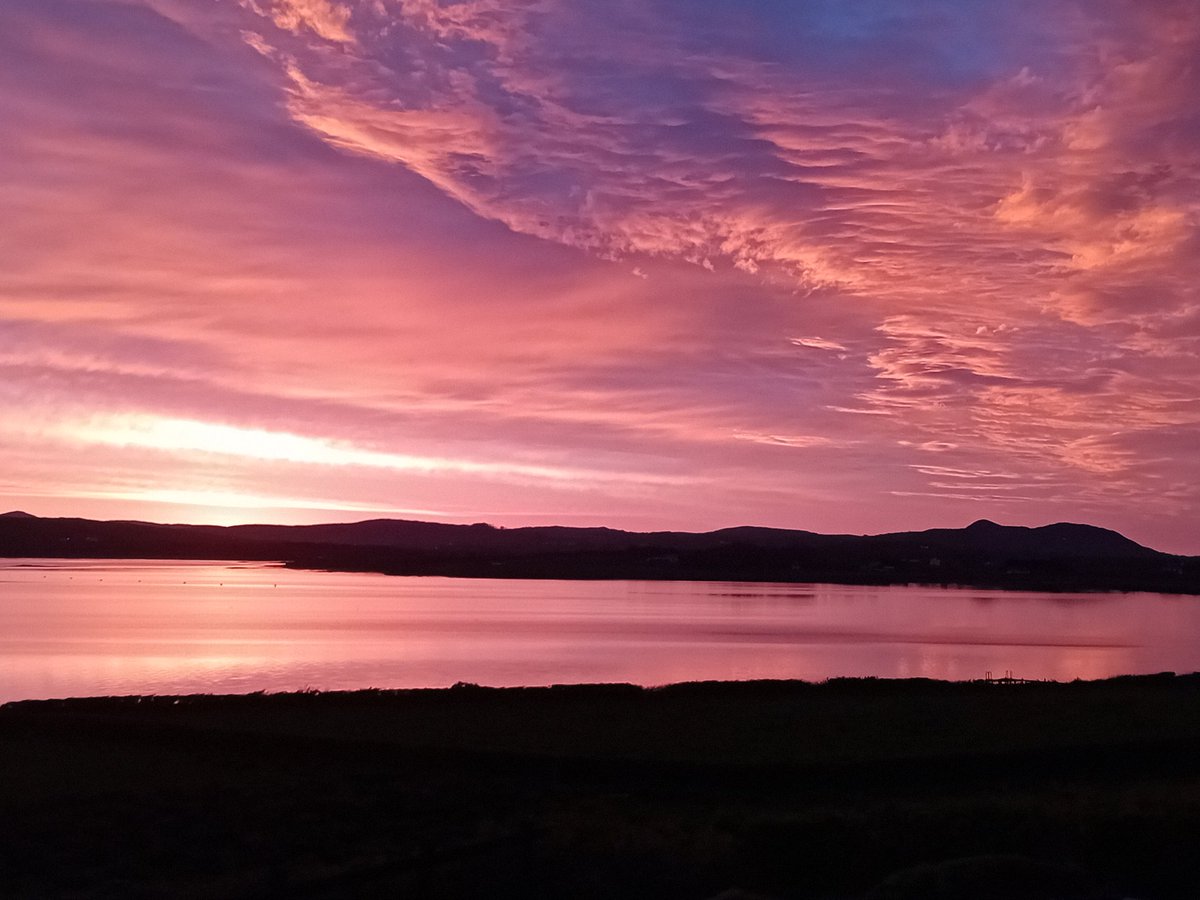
[1062, 556]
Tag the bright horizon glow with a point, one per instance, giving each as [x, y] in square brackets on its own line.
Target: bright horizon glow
[184, 435]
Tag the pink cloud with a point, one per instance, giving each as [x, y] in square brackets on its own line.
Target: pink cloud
[393, 226]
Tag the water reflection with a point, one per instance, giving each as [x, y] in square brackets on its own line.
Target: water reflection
[104, 627]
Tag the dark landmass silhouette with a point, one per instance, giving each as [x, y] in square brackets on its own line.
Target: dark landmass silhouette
[1059, 557]
[847, 790]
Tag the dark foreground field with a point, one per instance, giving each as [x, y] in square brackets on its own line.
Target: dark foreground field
[851, 789]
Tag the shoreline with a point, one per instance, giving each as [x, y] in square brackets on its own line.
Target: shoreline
[1015, 586]
[883, 684]
[1044, 586]
[751, 687]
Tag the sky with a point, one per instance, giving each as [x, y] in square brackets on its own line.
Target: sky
[845, 267]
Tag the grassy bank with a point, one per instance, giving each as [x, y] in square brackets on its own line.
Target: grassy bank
[849, 789]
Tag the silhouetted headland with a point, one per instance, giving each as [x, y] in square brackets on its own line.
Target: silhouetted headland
[1057, 557]
[846, 790]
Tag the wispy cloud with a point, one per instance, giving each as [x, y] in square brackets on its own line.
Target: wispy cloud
[324, 18]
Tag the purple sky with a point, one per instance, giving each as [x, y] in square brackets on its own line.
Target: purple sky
[659, 264]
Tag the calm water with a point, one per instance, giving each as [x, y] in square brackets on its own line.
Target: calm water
[70, 628]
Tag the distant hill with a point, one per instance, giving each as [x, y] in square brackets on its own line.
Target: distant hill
[1062, 556]
[1063, 539]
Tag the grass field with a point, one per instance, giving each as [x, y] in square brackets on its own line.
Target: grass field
[847, 789]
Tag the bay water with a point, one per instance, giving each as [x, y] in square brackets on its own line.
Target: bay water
[108, 627]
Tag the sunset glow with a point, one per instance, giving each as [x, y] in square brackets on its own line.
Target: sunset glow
[845, 267]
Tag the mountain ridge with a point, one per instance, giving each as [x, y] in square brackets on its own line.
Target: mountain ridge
[1058, 556]
[384, 532]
